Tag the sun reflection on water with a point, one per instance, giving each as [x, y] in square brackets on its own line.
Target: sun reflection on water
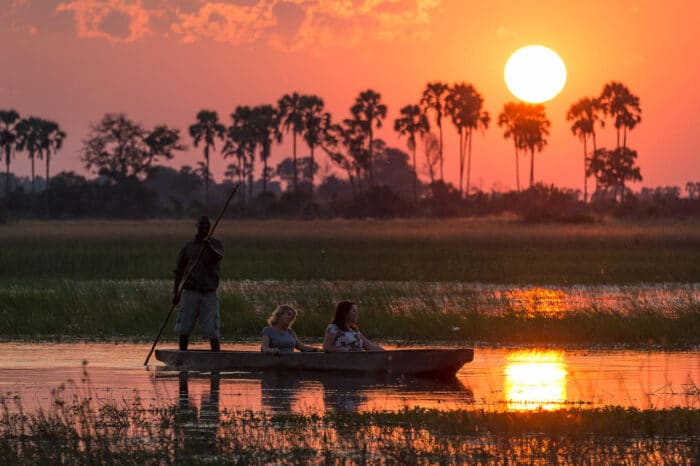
[535, 380]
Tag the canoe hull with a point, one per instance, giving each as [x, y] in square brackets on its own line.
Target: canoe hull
[430, 362]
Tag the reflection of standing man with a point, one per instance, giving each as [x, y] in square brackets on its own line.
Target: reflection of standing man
[198, 299]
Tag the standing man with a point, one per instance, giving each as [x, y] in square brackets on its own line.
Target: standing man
[199, 290]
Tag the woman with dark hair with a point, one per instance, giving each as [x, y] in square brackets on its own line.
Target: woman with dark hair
[342, 334]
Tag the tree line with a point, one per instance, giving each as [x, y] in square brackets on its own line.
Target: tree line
[121, 151]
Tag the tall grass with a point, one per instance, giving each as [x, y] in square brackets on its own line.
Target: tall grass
[84, 432]
[666, 315]
[492, 252]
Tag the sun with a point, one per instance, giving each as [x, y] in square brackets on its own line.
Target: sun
[535, 74]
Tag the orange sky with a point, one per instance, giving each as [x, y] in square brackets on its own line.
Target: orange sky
[160, 61]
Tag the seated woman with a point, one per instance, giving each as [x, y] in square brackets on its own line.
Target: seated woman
[342, 334]
[279, 337]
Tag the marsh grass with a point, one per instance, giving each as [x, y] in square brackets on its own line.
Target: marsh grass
[87, 432]
[397, 250]
[662, 315]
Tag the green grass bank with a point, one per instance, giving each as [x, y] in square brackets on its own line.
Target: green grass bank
[402, 250]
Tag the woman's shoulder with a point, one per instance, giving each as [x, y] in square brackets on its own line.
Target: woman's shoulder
[266, 331]
[332, 328]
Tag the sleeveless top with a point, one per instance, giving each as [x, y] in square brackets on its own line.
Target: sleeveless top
[350, 339]
[284, 340]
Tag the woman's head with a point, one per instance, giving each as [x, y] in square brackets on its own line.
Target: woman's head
[284, 314]
[345, 315]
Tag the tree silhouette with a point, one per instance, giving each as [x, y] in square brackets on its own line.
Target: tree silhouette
[119, 148]
[345, 145]
[583, 115]
[51, 143]
[8, 138]
[28, 138]
[316, 126]
[620, 104]
[244, 141]
[613, 168]
[431, 150]
[535, 130]
[266, 125]
[434, 96]
[291, 108]
[511, 118]
[465, 107]
[207, 129]
[411, 122]
[369, 112]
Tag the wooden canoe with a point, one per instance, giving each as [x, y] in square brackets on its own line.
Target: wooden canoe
[429, 362]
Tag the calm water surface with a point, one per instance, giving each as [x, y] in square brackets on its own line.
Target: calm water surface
[497, 379]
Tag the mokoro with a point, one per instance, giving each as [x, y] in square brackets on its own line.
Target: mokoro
[429, 362]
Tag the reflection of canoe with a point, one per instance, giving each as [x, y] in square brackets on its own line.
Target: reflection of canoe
[433, 362]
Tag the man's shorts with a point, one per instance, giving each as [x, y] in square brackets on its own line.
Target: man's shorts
[193, 305]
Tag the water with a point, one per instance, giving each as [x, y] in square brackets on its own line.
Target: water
[497, 379]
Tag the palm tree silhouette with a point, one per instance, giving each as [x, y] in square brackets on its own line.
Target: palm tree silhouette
[266, 126]
[584, 114]
[368, 111]
[535, 129]
[411, 122]
[316, 124]
[434, 97]
[291, 108]
[465, 106]
[8, 138]
[207, 129]
[511, 119]
[619, 103]
[51, 143]
[244, 138]
[29, 135]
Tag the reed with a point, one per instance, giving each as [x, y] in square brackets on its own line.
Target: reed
[643, 315]
[84, 431]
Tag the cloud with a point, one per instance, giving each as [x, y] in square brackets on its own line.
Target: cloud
[329, 23]
[317, 23]
[226, 22]
[114, 20]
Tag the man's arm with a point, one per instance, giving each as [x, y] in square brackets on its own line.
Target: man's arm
[216, 247]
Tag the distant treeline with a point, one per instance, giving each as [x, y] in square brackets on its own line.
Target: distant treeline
[378, 181]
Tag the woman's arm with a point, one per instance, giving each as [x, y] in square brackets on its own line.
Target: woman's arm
[369, 346]
[329, 343]
[265, 346]
[302, 347]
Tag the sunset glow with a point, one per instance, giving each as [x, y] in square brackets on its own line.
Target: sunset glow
[535, 380]
[535, 74]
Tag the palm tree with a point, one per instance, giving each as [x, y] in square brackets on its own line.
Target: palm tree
[584, 114]
[207, 129]
[369, 112]
[266, 126]
[511, 118]
[535, 129]
[434, 97]
[316, 124]
[28, 132]
[243, 136]
[8, 137]
[619, 103]
[291, 108]
[52, 142]
[412, 121]
[465, 106]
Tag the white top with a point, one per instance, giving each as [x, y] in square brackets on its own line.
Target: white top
[350, 339]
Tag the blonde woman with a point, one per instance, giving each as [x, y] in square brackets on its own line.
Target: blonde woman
[278, 337]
